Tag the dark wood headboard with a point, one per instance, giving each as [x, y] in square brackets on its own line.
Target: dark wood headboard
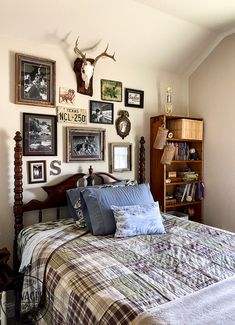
[56, 194]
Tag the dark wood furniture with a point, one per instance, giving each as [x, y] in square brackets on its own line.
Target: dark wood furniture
[159, 172]
[56, 194]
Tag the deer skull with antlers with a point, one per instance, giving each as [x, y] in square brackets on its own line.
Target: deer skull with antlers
[84, 69]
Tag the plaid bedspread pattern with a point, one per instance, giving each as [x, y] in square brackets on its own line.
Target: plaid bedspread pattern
[104, 280]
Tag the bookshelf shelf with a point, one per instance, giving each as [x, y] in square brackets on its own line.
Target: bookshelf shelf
[182, 204]
[177, 189]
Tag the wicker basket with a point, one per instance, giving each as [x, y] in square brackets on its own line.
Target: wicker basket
[186, 128]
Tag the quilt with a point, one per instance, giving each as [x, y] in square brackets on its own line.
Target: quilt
[104, 280]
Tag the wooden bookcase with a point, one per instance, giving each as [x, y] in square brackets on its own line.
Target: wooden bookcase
[159, 172]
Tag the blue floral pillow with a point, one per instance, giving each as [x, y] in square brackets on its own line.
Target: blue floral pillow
[136, 220]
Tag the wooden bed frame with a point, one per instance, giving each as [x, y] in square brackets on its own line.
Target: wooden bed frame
[56, 194]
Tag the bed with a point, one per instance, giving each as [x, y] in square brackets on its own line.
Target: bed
[183, 273]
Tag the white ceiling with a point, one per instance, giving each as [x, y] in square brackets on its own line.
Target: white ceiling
[165, 34]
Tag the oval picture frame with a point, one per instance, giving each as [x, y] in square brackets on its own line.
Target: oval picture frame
[123, 124]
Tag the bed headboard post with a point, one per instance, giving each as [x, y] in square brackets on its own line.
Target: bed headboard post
[18, 193]
[142, 162]
[90, 178]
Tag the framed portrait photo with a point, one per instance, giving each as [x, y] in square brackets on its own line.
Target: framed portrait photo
[101, 112]
[37, 171]
[134, 98]
[39, 135]
[85, 144]
[111, 90]
[34, 81]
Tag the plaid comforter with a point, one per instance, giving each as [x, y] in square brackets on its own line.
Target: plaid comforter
[104, 280]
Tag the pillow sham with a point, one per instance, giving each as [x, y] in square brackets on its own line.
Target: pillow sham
[98, 203]
[134, 220]
[77, 207]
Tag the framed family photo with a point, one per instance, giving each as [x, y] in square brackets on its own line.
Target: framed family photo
[39, 135]
[134, 98]
[37, 171]
[85, 144]
[111, 90]
[101, 112]
[34, 81]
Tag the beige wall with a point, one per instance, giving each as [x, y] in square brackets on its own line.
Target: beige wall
[153, 83]
[211, 96]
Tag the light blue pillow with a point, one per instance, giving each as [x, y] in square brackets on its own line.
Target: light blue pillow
[99, 201]
[137, 220]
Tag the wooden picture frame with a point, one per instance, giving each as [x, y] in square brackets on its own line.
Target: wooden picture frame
[34, 81]
[111, 90]
[134, 98]
[37, 171]
[39, 135]
[120, 157]
[85, 144]
[101, 112]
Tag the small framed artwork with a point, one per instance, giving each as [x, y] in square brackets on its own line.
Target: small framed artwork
[120, 157]
[39, 135]
[67, 96]
[134, 98]
[111, 90]
[34, 81]
[37, 171]
[85, 144]
[101, 112]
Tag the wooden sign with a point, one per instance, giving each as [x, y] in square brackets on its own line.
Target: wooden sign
[72, 115]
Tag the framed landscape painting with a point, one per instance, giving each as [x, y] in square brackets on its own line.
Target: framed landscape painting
[34, 81]
[111, 90]
[39, 135]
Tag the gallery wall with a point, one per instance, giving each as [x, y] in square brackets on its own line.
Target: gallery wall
[151, 81]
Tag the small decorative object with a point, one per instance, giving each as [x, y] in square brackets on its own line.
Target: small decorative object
[101, 112]
[85, 144]
[67, 96]
[35, 81]
[190, 211]
[168, 104]
[168, 181]
[37, 171]
[134, 98]
[84, 69]
[170, 135]
[39, 135]
[111, 90]
[160, 139]
[53, 166]
[193, 154]
[120, 157]
[123, 124]
[172, 174]
[71, 115]
[168, 154]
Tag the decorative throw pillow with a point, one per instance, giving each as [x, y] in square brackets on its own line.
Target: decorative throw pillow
[98, 203]
[137, 220]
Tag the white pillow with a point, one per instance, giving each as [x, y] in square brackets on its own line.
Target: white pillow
[136, 220]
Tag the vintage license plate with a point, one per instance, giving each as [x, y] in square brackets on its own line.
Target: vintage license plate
[72, 115]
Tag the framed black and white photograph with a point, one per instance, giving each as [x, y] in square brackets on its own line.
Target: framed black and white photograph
[34, 81]
[134, 98]
[111, 90]
[39, 135]
[85, 144]
[101, 112]
[37, 171]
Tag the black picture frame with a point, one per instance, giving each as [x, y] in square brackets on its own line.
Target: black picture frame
[134, 98]
[39, 135]
[37, 171]
[85, 144]
[101, 112]
[34, 81]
